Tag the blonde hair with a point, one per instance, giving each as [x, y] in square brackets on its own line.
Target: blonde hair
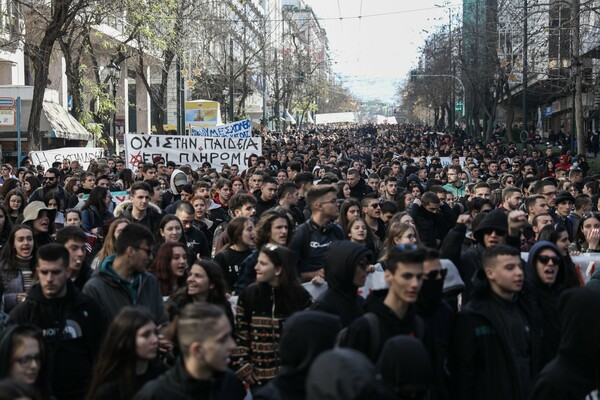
[396, 229]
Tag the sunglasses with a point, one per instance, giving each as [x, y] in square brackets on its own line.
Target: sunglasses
[375, 205]
[490, 231]
[545, 259]
[441, 273]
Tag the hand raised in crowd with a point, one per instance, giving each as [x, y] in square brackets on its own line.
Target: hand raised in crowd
[517, 220]
[463, 219]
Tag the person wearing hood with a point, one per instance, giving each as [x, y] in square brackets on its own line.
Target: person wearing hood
[574, 374]
[545, 275]
[123, 280]
[305, 336]
[343, 374]
[178, 180]
[495, 228]
[497, 344]
[405, 369]
[345, 271]
[71, 322]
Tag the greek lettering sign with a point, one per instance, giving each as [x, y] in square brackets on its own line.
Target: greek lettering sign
[239, 129]
[192, 150]
[82, 154]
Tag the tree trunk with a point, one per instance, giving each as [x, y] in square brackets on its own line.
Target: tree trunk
[578, 86]
[41, 63]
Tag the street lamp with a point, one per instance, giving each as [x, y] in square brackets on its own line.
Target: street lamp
[114, 74]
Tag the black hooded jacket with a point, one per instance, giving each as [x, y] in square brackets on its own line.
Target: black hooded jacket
[360, 190]
[341, 297]
[486, 354]
[405, 367]
[359, 332]
[343, 374]
[545, 297]
[305, 336]
[575, 372]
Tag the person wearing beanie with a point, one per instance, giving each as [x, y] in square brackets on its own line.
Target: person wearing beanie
[564, 203]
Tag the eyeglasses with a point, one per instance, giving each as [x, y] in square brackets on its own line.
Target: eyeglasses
[545, 259]
[375, 205]
[147, 250]
[26, 361]
[431, 275]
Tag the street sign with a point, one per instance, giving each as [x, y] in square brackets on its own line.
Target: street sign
[7, 101]
[8, 117]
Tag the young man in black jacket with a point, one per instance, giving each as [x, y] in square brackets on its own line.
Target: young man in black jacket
[72, 323]
[394, 308]
[205, 342]
[496, 347]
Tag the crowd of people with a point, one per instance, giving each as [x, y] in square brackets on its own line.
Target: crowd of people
[349, 262]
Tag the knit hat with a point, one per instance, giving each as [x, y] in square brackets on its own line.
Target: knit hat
[496, 219]
[564, 195]
[32, 211]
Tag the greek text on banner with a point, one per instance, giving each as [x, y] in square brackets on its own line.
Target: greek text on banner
[239, 129]
[192, 150]
[82, 154]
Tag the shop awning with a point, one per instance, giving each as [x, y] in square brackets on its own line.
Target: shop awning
[60, 124]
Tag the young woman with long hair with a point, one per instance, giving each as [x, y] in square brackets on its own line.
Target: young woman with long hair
[275, 226]
[17, 266]
[261, 311]
[349, 210]
[126, 179]
[95, 210]
[15, 203]
[30, 184]
[241, 233]
[205, 283]
[128, 357]
[360, 232]
[9, 184]
[399, 233]
[108, 248]
[23, 358]
[587, 237]
[170, 267]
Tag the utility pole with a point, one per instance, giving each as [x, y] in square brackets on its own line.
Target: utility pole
[525, 127]
[452, 72]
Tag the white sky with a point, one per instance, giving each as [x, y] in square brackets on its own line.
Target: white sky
[372, 53]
